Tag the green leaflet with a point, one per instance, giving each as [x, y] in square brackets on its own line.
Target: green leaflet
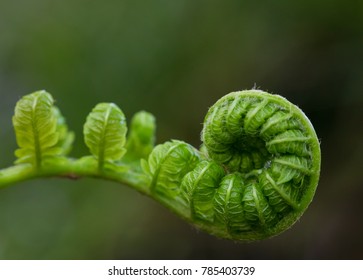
[41, 132]
[282, 197]
[167, 165]
[257, 210]
[141, 139]
[198, 189]
[228, 204]
[105, 133]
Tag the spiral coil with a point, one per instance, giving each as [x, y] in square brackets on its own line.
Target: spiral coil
[255, 175]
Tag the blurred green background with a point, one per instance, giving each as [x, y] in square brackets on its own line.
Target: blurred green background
[175, 59]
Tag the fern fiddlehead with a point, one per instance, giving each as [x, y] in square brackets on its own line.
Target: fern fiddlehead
[254, 176]
[257, 172]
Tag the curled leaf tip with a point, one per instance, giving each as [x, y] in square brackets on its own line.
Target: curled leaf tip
[40, 129]
[141, 139]
[105, 133]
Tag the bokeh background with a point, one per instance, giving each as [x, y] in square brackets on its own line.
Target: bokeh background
[175, 59]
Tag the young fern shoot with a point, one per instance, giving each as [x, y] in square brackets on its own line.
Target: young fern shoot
[40, 129]
[253, 177]
[105, 133]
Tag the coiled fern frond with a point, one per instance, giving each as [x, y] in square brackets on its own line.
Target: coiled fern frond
[258, 171]
[253, 177]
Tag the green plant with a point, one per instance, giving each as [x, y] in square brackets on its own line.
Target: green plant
[254, 176]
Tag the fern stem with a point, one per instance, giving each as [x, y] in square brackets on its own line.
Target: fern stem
[73, 169]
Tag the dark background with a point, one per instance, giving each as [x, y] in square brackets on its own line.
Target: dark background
[175, 59]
